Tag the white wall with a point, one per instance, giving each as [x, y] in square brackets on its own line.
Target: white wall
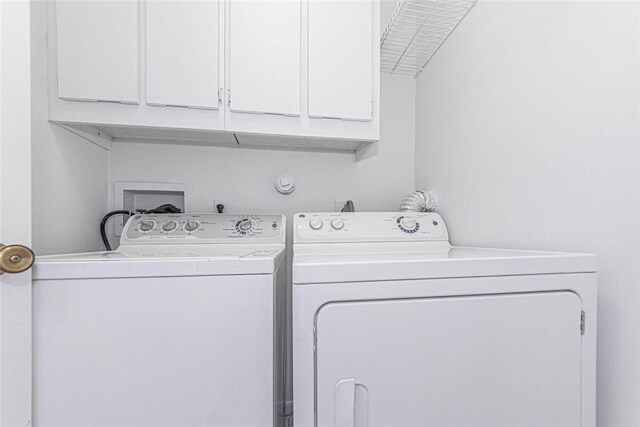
[527, 126]
[245, 176]
[69, 182]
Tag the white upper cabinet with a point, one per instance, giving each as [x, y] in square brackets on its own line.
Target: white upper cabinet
[183, 53]
[286, 73]
[264, 56]
[341, 59]
[158, 62]
[97, 49]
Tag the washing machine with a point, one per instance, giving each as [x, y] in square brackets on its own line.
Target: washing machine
[182, 325]
[393, 326]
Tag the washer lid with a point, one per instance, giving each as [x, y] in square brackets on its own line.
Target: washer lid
[162, 261]
[375, 262]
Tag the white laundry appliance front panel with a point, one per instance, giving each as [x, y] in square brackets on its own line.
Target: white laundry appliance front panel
[500, 360]
[163, 351]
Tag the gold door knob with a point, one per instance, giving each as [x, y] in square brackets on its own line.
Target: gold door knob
[15, 258]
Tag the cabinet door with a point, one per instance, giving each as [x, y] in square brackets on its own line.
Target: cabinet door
[264, 56]
[341, 59]
[97, 50]
[182, 47]
[504, 360]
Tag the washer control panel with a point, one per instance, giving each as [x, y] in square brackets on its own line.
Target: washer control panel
[203, 228]
[369, 227]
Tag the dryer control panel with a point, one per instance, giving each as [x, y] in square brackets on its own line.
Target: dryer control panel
[172, 229]
[369, 227]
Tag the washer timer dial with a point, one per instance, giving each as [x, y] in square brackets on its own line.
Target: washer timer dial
[244, 226]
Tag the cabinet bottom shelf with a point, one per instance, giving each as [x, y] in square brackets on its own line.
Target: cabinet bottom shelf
[105, 135]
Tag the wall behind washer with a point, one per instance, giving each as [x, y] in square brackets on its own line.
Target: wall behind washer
[527, 126]
[70, 175]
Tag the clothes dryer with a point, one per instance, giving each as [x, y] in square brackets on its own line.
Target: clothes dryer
[393, 326]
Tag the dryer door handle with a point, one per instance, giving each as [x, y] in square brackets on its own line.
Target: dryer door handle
[345, 403]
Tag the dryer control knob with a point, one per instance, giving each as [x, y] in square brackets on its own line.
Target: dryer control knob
[146, 225]
[316, 224]
[170, 225]
[408, 223]
[337, 224]
[191, 225]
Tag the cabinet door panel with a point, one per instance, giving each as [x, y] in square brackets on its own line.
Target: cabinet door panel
[97, 49]
[183, 53]
[461, 361]
[341, 59]
[264, 56]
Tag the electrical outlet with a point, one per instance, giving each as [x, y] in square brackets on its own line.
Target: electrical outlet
[339, 204]
[221, 201]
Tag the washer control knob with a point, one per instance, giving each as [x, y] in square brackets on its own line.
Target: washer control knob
[191, 225]
[146, 225]
[337, 224]
[408, 223]
[245, 225]
[170, 225]
[316, 224]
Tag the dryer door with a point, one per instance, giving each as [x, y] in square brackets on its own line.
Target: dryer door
[502, 360]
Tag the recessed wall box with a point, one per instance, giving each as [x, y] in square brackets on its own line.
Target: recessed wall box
[147, 195]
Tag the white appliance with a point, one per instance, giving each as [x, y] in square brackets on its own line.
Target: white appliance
[183, 325]
[392, 326]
